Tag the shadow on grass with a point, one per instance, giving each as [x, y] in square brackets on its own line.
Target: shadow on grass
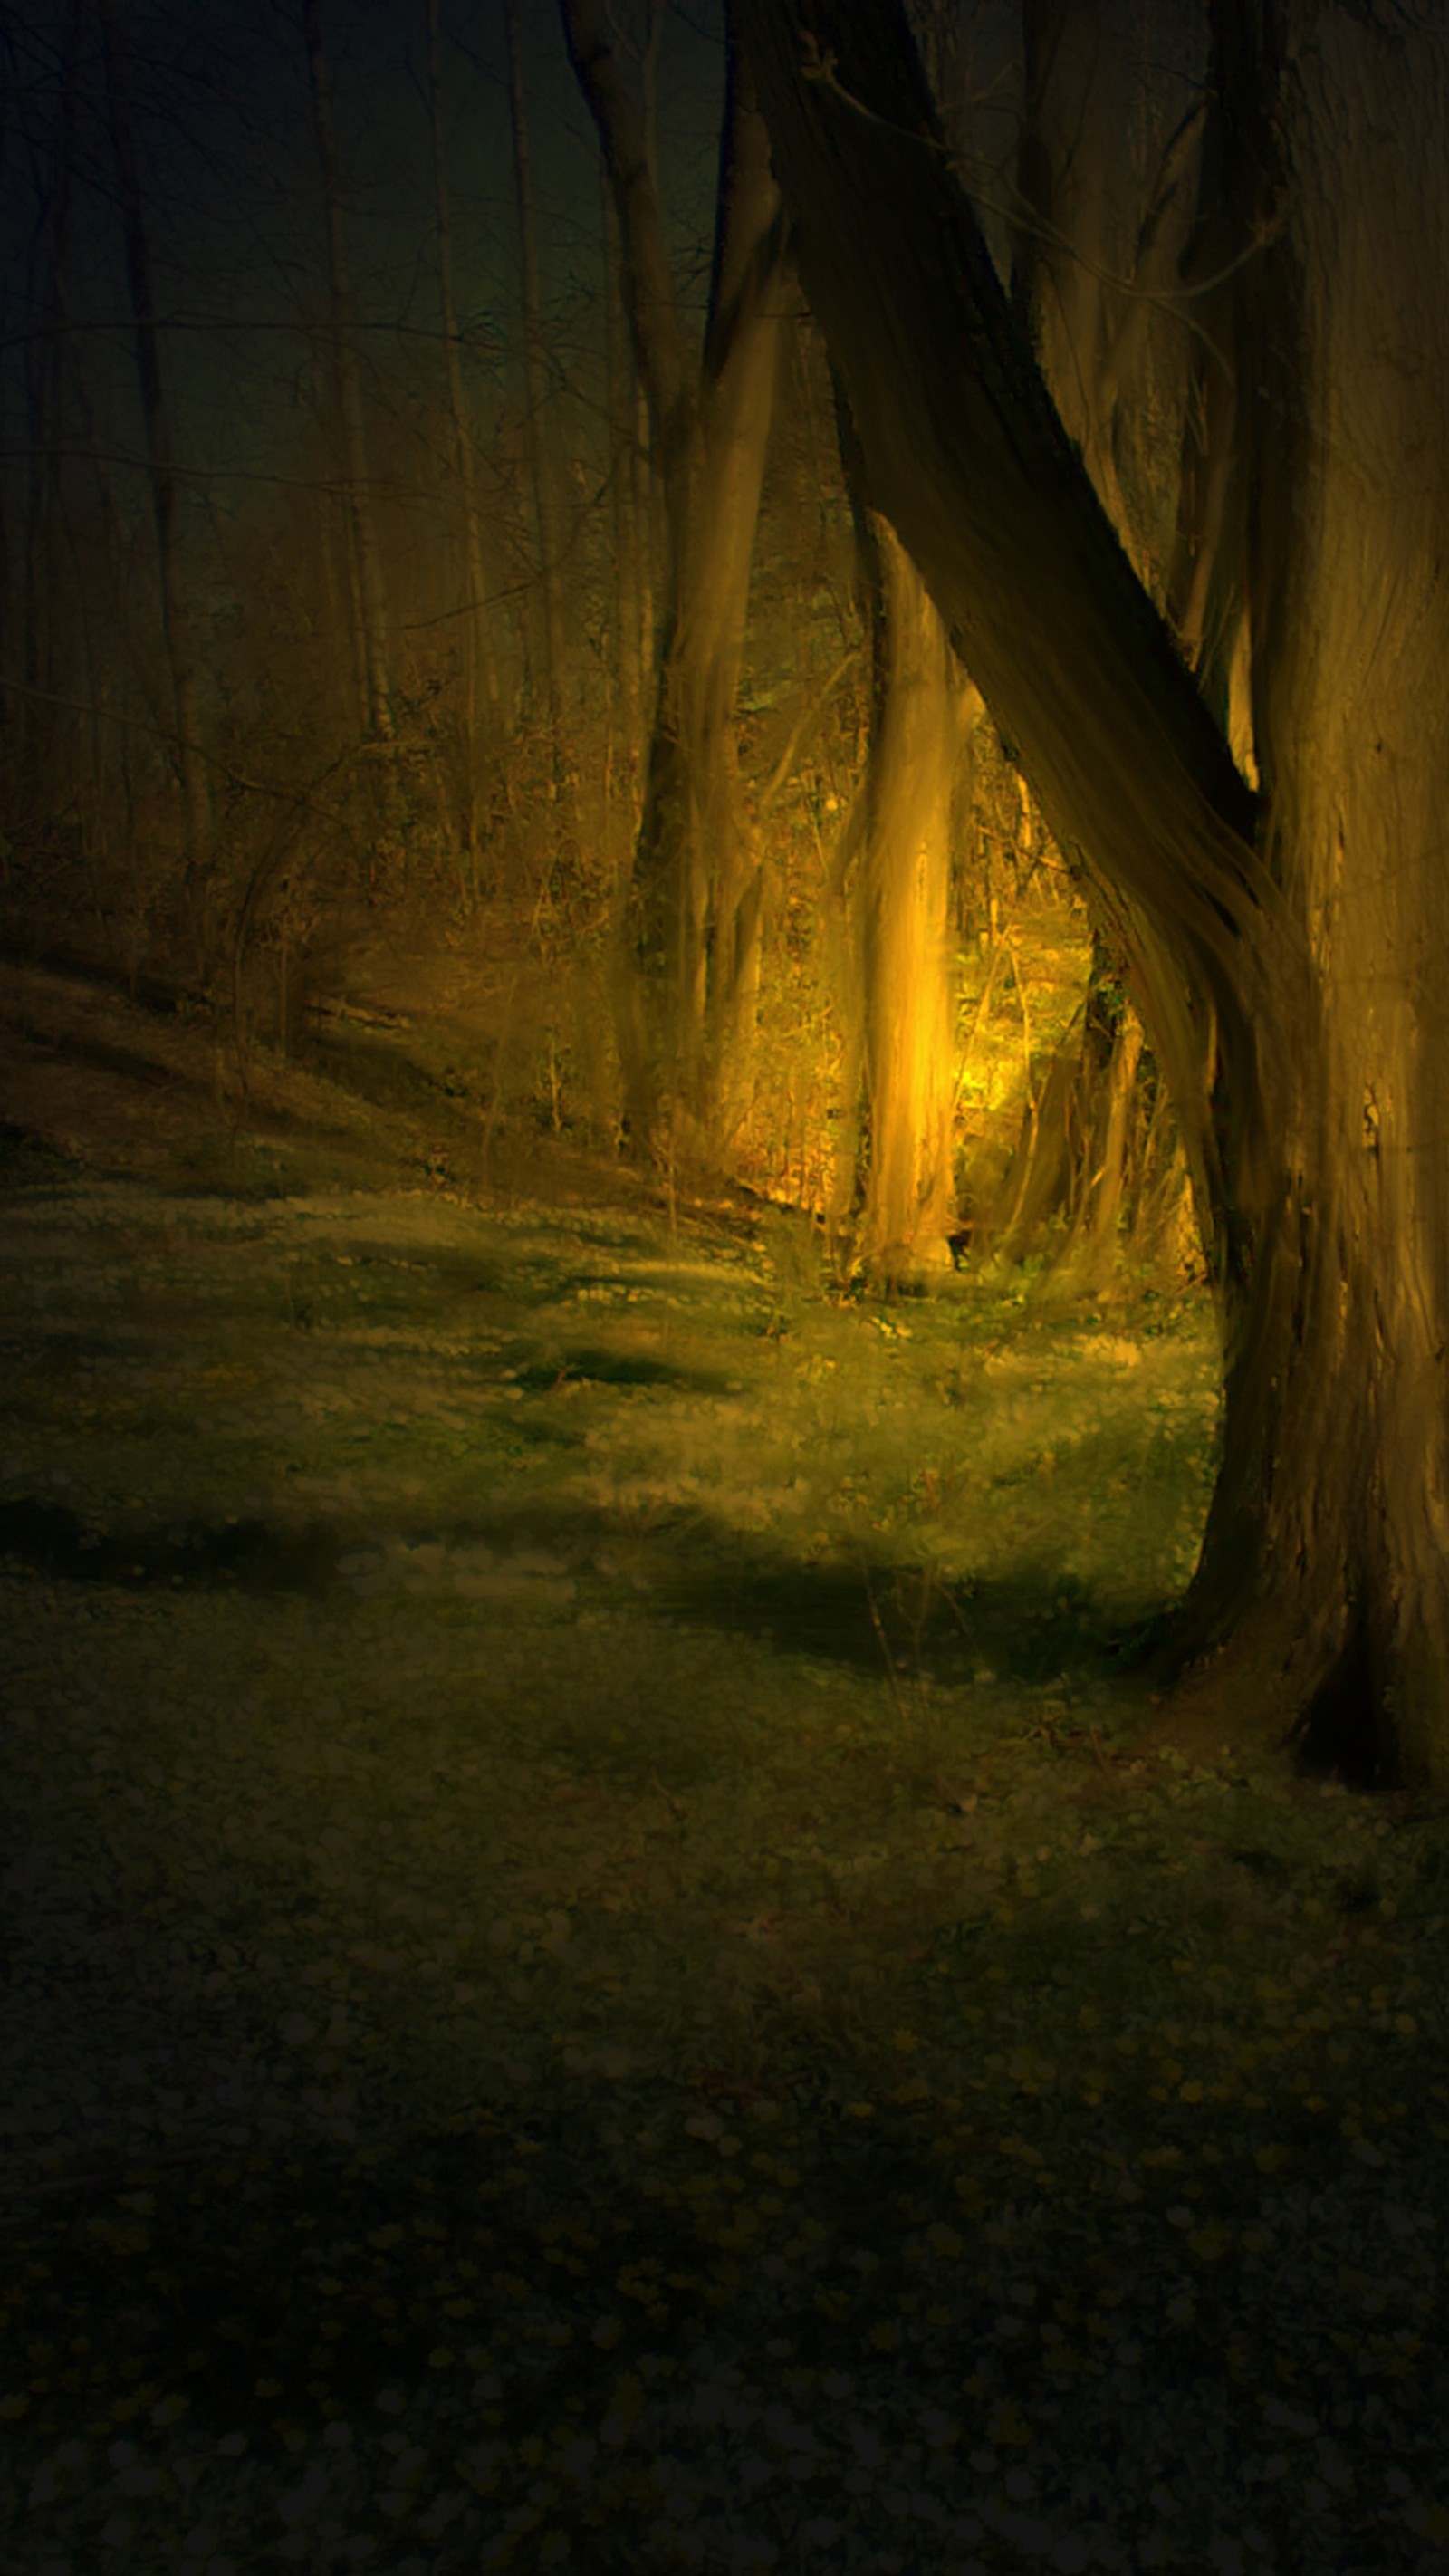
[597, 1367]
[27, 1162]
[241, 1555]
[98, 1055]
[1032, 1624]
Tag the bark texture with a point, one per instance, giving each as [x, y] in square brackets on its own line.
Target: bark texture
[1335, 1489]
[1289, 951]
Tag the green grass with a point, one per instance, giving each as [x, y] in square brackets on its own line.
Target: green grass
[591, 1838]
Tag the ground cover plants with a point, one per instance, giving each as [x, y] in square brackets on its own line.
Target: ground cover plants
[603, 1967]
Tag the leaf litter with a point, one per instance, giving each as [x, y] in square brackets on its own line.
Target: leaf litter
[598, 1975]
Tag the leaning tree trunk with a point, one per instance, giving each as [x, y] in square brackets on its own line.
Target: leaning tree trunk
[1295, 948]
[695, 896]
[1094, 251]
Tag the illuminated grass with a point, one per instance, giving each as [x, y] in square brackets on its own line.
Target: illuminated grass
[592, 1971]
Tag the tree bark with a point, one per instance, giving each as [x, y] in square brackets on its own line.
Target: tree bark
[1334, 1498]
[695, 896]
[1239, 180]
[1296, 944]
[361, 518]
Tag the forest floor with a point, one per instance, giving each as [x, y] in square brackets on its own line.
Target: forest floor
[601, 1967]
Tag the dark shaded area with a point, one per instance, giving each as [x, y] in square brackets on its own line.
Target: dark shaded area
[1339, 1735]
[244, 1553]
[377, 1070]
[1033, 1626]
[100, 1056]
[1267, 1865]
[452, 2283]
[333, 2277]
[598, 1367]
[144, 986]
[26, 1161]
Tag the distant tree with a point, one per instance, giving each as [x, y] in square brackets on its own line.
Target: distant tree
[694, 915]
[628, 493]
[176, 619]
[1285, 948]
[364, 549]
[548, 654]
[480, 662]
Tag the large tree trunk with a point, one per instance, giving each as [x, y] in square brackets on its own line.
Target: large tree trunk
[1334, 1501]
[695, 897]
[1294, 950]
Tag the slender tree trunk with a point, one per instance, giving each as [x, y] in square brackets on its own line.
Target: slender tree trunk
[480, 668]
[535, 370]
[361, 517]
[175, 617]
[695, 898]
[1313, 924]
[905, 1080]
[630, 536]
